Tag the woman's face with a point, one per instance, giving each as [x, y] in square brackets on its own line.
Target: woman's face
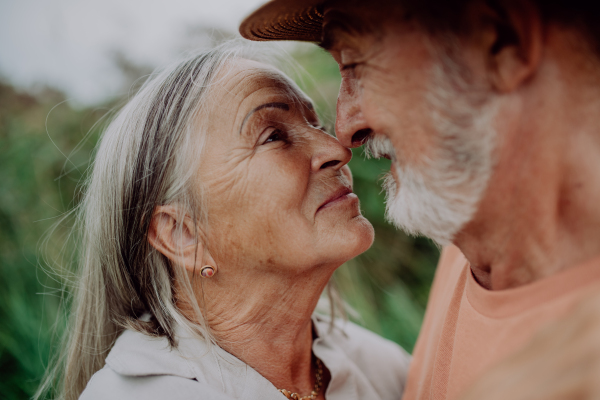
[278, 188]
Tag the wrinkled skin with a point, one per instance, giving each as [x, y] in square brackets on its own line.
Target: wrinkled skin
[536, 215]
[385, 81]
[280, 218]
[266, 183]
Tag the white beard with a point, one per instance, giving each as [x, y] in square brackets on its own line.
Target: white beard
[439, 197]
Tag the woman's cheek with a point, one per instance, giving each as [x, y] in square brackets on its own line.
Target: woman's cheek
[347, 172]
[286, 176]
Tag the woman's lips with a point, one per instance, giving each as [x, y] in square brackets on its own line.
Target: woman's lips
[338, 197]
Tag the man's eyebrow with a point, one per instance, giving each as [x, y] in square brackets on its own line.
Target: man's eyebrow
[330, 31]
[282, 106]
[340, 23]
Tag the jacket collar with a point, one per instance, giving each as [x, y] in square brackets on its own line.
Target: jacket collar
[137, 354]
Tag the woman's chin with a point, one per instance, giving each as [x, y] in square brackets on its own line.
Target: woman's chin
[367, 235]
[357, 238]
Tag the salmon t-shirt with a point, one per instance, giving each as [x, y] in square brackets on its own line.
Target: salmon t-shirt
[468, 328]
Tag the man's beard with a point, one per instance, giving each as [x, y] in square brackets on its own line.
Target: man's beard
[441, 195]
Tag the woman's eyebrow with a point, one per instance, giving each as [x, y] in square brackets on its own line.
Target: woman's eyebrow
[282, 106]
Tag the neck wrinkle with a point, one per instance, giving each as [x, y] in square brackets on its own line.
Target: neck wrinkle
[267, 324]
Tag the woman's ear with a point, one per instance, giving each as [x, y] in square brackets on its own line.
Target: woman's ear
[511, 37]
[175, 235]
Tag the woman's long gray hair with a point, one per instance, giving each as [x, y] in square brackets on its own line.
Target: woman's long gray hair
[146, 157]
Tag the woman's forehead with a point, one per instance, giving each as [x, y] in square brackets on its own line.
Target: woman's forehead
[242, 80]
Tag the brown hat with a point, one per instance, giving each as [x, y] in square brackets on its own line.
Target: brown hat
[285, 20]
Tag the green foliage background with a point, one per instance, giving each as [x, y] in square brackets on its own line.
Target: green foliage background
[388, 285]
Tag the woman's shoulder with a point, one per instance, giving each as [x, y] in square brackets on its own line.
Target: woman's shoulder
[384, 363]
[139, 366]
[107, 384]
[361, 344]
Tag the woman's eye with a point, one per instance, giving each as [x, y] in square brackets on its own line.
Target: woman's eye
[275, 136]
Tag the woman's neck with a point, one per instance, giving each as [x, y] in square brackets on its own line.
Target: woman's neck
[265, 321]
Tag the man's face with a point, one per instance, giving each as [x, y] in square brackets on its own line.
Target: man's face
[406, 97]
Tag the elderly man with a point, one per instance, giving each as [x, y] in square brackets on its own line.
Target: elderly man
[489, 112]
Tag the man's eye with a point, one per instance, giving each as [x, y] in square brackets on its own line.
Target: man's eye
[276, 136]
[348, 67]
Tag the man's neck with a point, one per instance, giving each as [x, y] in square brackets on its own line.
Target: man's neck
[540, 214]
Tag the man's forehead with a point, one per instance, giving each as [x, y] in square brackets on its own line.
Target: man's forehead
[344, 21]
[338, 24]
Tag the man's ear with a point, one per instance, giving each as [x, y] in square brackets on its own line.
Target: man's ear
[512, 39]
[175, 235]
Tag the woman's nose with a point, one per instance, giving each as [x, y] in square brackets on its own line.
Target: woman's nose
[329, 153]
[351, 127]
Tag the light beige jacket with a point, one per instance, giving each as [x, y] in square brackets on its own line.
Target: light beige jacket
[362, 366]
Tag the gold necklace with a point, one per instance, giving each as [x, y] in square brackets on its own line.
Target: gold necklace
[318, 383]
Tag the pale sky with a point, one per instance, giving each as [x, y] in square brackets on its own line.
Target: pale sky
[68, 43]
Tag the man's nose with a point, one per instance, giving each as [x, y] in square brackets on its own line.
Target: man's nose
[351, 127]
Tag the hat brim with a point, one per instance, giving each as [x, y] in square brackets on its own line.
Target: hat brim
[300, 20]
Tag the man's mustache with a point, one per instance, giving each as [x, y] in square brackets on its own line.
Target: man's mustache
[377, 146]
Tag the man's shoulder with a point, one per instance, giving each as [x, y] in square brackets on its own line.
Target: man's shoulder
[451, 258]
[449, 269]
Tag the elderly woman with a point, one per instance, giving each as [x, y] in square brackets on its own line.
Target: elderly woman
[215, 215]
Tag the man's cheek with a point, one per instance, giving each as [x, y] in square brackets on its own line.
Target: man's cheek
[378, 108]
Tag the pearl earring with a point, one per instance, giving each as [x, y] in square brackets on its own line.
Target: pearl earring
[207, 271]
